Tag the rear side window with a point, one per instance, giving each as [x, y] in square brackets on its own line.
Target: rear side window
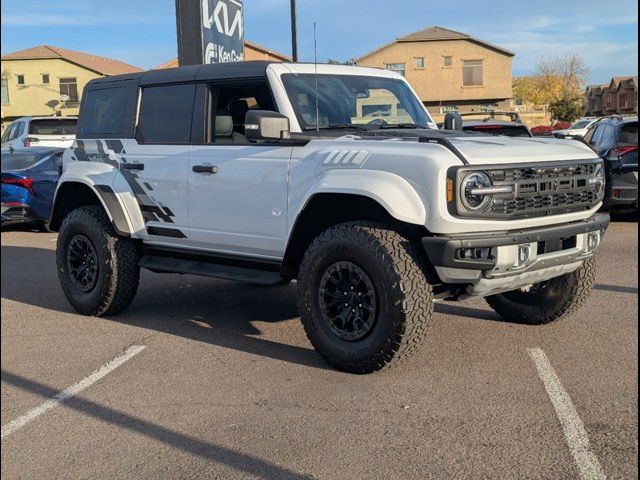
[166, 113]
[629, 133]
[52, 127]
[106, 113]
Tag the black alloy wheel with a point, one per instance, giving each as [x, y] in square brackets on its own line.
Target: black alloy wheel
[82, 262]
[347, 300]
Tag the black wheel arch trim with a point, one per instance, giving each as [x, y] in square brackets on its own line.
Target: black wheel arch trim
[114, 209]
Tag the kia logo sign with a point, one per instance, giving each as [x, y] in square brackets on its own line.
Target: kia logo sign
[222, 31]
[221, 19]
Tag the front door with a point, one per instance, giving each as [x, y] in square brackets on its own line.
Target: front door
[238, 190]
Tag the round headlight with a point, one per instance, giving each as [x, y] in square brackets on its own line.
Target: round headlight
[471, 182]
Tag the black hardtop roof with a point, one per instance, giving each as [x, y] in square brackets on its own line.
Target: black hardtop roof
[220, 71]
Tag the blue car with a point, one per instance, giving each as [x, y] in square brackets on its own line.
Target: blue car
[29, 179]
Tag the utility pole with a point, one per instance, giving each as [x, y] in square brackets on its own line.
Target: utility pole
[294, 32]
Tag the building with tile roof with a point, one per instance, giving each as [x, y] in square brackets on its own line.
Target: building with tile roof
[252, 51]
[48, 80]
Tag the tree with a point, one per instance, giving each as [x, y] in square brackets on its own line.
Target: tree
[558, 80]
[567, 108]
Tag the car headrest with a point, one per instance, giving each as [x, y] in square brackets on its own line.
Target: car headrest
[238, 109]
[224, 125]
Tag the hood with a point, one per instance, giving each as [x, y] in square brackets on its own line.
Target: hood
[483, 149]
[492, 150]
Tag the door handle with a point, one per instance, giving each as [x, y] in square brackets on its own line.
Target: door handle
[132, 166]
[205, 169]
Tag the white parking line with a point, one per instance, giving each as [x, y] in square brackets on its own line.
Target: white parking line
[64, 395]
[574, 432]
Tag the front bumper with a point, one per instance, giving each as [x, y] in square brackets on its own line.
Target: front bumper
[491, 263]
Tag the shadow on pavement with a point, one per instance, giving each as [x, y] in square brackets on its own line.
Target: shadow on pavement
[201, 309]
[616, 288]
[462, 311]
[245, 463]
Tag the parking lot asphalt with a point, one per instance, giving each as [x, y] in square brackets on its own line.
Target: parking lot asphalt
[228, 386]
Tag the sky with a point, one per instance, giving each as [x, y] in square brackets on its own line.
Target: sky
[143, 32]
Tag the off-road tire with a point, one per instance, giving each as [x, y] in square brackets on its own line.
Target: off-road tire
[562, 297]
[118, 272]
[404, 296]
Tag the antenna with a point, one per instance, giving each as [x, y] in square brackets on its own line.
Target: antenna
[315, 62]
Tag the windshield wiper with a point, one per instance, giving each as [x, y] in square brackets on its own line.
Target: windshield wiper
[402, 125]
[337, 126]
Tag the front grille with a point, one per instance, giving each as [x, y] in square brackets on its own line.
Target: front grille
[545, 202]
[541, 189]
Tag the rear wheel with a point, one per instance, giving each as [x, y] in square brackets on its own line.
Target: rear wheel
[547, 301]
[364, 299]
[98, 270]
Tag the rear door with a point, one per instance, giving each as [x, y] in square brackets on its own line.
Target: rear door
[237, 189]
[157, 161]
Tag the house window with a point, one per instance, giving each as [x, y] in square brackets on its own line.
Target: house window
[396, 67]
[447, 61]
[20, 79]
[622, 100]
[472, 73]
[5, 91]
[419, 63]
[69, 87]
[45, 79]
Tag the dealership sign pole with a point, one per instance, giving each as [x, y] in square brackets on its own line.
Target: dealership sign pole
[210, 31]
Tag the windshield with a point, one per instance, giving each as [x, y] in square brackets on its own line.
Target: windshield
[53, 127]
[580, 124]
[345, 100]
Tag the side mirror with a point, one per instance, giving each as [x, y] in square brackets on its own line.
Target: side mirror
[264, 125]
[453, 121]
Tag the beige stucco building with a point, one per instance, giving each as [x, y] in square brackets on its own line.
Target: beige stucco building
[450, 71]
[47, 80]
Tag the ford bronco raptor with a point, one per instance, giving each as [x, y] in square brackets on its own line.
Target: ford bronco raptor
[335, 176]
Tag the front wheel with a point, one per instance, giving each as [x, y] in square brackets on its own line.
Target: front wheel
[547, 301]
[98, 270]
[364, 300]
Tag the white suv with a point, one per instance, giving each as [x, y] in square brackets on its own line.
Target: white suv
[578, 130]
[332, 175]
[28, 132]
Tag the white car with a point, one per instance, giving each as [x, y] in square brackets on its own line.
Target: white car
[266, 172]
[28, 132]
[577, 130]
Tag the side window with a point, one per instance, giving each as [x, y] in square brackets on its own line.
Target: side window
[19, 130]
[228, 107]
[608, 135]
[165, 114]
[6, 136]
[104, 112]
[596, 135]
